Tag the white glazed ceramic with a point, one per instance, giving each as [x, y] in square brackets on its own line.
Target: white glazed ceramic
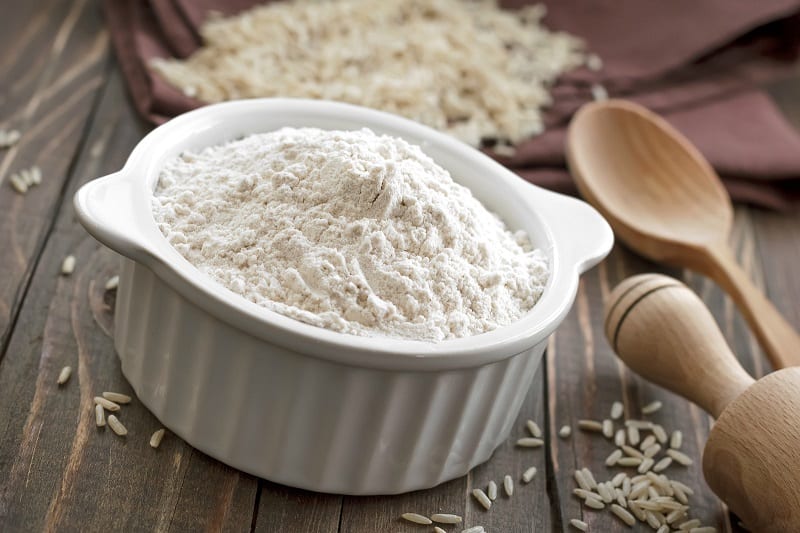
[305, 406]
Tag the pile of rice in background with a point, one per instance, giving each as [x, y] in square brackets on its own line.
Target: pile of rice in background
[467, 68]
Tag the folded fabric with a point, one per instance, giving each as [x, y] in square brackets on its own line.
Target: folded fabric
[699, 63]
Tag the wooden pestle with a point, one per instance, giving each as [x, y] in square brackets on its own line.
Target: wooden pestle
[664, 333]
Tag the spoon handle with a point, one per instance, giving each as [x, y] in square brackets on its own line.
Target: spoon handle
[665, 333]
[777, 337]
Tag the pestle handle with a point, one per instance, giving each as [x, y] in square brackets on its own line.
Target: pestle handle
[665, 333]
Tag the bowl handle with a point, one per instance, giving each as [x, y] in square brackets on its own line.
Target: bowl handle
[579, 231]
[105, 208]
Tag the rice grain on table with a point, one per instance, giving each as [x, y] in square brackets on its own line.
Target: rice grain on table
[629, 461]
[651, 407]
[676, 440]
[623, 514]
[156, 437]
[631, 451]
[437, 529]
[107, 404]
[593, 503]
[680, 457]
[116, 426]
[647, 464]
[579, 524]
[564, 432]
[117, 397]
[689, 524]
[508, 485]
[99, 415]
[660, 433]
[633, 435]
[530, 442]
[581, 480]
[647, 442]
[617, 409]
[474, 529]
[491, 491]
[469, 68]
[112, 283]
[608, 428]
[18, 184]
[527, 476]
[619, 438]
[482, 498]
[68, 265]
[534, 429]
[416, 518]
[589, 477]
[583, 494]
[615, 456]
[64, 375]
[651, 451]
[444, 518]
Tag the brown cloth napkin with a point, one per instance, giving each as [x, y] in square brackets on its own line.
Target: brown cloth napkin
[699, 63]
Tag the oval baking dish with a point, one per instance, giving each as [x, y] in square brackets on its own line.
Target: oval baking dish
[305, 406]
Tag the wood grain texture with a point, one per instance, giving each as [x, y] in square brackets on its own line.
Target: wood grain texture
[50, 86]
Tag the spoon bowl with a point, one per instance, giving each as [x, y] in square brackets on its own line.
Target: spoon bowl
[663, 199]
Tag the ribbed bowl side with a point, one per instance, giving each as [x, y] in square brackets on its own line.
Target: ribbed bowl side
[303, 421]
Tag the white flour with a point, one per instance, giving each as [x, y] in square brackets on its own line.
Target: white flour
[349, 231]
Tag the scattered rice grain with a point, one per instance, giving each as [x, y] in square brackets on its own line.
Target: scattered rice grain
[68, 265]
[155, 438]
[117, 397]
[689, 524]
[608, 428]
[663, 464]
[651, 451]
[632, 452]
[639, 424]
[594, 503]
[116, 426]
[565, 432]
[18, 184]
[508, 485]
[437, 529]
[617, 409]
[482, 498]
[612, 459]
[99, 416]
[629, 461]
[534, 429]
[676, 440]
[589, 477]
[579, 524]
[416, 518]
[444, 518]
[530, 442]
[623, 514]
[680, 457]
[581, 480]
[64, 375]
[647, 442]
[599, 93]
[606, 494]
[112, 283]
[651, 407]
[617, 480]
[491, 491]
[660, 433]
[619, 437]
[706, 529]
[583, 494]
[527, 476]
[474, 529]
[633, 435]
[107, 404]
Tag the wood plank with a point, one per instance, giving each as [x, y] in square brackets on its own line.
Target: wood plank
[527, 510]
[56, 468]
[282, 508]
[51, 82]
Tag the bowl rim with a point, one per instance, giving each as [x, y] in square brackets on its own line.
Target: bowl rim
[142, 241]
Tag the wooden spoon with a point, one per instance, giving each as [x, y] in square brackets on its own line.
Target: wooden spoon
[664, 200]
[751, 461]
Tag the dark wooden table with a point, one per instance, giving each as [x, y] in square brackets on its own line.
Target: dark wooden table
[61, 87]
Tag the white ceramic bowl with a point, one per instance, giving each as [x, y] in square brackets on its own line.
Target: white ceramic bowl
[305, 406]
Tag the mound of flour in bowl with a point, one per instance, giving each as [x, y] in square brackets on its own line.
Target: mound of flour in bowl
[350, 231]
